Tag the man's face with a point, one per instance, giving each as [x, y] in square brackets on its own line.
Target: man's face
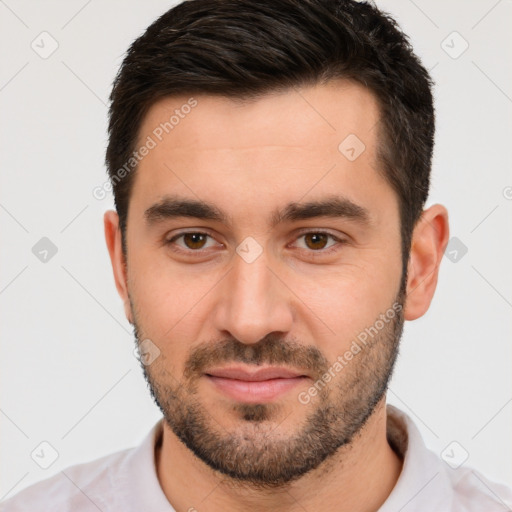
[300, 263]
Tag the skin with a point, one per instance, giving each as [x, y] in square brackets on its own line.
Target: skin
[249, 159]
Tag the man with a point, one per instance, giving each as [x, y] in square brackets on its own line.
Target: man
[270, 162]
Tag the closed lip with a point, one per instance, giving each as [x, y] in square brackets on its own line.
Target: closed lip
[254, 375]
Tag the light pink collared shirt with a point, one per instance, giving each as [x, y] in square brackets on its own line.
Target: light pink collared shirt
[126, 481]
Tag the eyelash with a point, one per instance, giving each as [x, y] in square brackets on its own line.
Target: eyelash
[198, 252]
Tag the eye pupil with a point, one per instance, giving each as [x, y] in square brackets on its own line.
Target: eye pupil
[316, 240]
[194, 240]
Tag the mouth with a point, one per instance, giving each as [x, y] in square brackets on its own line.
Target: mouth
[250, 385]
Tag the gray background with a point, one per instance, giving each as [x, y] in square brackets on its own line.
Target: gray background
[68, 374]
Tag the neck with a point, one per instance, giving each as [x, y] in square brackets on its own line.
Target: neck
[357, 478]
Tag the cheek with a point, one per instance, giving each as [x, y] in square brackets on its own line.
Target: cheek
[341, 303]
[166, 315]
[337, 300]
[169, 299]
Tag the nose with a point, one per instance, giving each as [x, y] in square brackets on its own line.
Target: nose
[253, 302]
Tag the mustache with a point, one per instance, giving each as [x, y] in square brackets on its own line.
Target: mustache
[271, 350]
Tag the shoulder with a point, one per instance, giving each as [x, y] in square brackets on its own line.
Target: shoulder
[81, 488]
[430, 482]
[473, 492]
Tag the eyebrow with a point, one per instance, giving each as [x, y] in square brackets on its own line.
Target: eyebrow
[333, 206]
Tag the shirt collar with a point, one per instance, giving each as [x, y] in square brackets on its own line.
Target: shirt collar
[139, 487]
[423, 483]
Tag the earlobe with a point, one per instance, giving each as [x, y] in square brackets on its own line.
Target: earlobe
[113, 239]
[429, 240]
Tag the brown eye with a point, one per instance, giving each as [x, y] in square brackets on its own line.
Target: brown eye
[319, 243]
[194, 240]
[316, 241]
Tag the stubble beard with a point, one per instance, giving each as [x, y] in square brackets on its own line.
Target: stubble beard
[256, 453]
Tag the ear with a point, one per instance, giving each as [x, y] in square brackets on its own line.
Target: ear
[115, 249]
[429, 240]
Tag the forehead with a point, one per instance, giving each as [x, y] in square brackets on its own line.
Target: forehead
[317, 113]
[281, 144]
